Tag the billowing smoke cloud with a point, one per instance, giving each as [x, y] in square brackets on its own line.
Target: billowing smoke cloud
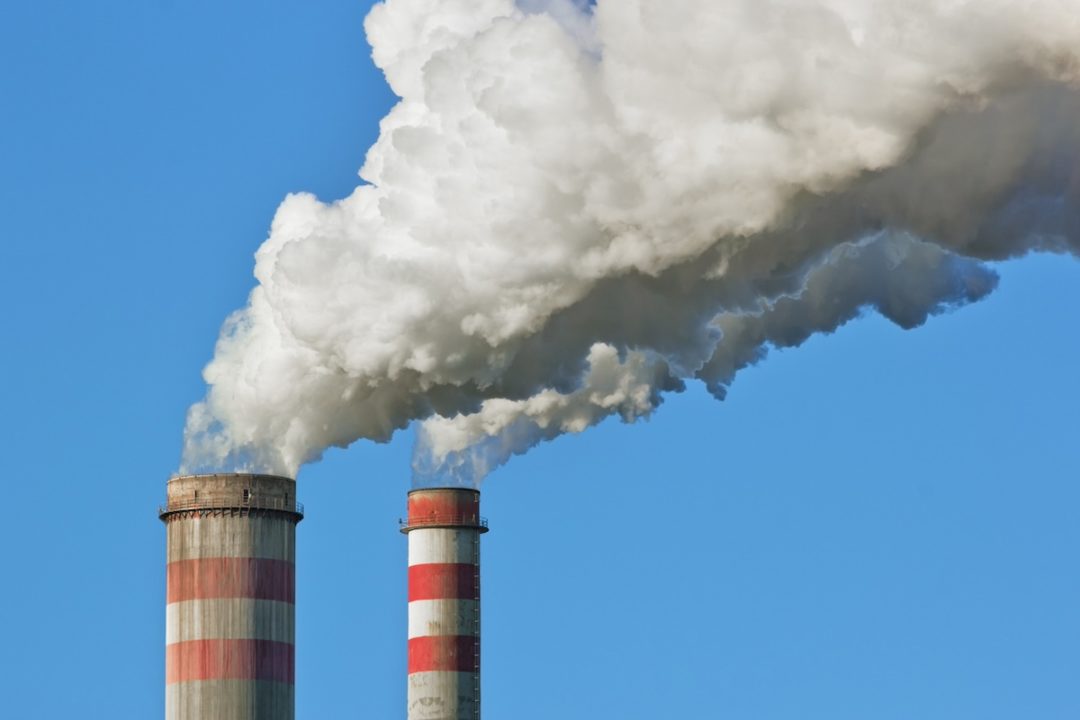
[575, 208]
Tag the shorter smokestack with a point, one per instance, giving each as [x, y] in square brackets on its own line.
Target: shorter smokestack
[231, 588]
[444, 529]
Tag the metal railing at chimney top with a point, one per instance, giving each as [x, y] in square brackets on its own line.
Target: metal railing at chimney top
[233, 502]
[466, 521]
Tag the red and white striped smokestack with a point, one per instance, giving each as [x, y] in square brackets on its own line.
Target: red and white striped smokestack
[444, 529]
[231, 587]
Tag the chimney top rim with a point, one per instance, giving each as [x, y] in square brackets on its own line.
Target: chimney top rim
[200, 476]
[450, 488]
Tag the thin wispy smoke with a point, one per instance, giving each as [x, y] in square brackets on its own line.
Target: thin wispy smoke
[575, 208]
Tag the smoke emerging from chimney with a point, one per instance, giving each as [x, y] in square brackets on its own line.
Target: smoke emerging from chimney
[575, 208]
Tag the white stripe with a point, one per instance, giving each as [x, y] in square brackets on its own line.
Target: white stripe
[444, 617]
[229, 699]
[213, 536]
[444, 545]
[439, 695]
[230, 619]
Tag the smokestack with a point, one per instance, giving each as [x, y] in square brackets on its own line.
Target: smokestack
[444, 529]
[231, 587]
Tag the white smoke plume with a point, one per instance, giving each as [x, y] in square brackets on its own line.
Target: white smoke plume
[577, 207]
[466, 447]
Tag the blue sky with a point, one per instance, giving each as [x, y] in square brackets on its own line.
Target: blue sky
[880, 524]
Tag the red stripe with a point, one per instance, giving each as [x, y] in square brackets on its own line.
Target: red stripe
[257, 578]
[229, 660]
[444, 581]
[454, 507]
[450, 653]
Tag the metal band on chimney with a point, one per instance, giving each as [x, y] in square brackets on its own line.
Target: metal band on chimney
[444, 528]
[230, 594]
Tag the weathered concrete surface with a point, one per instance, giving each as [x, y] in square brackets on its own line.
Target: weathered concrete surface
[227, 534]
[265, 491]
[230, 700]
[444, 696]
[230, 617]
[444, 617]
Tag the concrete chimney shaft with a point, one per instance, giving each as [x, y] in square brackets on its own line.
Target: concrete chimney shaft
[444, 529]
[231, 588]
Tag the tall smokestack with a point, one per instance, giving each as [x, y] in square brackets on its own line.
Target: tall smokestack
[444, 529]
[231, 588]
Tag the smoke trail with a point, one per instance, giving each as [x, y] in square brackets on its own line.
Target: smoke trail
[465, 448]
[575, 208]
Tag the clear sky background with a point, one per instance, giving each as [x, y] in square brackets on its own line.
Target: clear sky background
[881, 524]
